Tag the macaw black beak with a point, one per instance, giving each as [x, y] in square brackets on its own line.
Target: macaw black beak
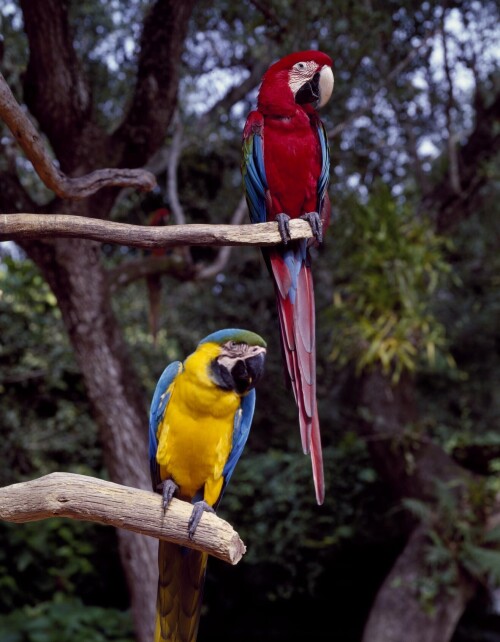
[242, 375]
[309, 92]
[247, 372]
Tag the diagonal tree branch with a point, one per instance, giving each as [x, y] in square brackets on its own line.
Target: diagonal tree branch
[400, 589]
[89, 499]
[65, 187]
[235, 93]
[270, 15]
[174, 264]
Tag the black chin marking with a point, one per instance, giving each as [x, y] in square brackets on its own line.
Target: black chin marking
[221, 376]
[242, 377]
[309, 92]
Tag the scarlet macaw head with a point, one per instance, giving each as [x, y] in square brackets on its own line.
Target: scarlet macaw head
[303, 78]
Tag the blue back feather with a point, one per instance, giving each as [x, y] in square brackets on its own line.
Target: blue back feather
[158, 405]
[324, 177]
[254, 177]
[242, 422]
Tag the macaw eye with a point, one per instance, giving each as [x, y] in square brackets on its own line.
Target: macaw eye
[300, 66]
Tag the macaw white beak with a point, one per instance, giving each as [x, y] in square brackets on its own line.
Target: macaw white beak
[326, 83]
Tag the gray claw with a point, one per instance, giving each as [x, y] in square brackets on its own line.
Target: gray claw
[314, 220]
[198, 509]
[283, 221]
[168, 488]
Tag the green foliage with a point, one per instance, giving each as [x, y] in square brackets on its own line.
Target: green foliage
[271, 500]
[388, 267]
[462, 413]
[46, 426]
[394, 305]
[44, 410]
[457, 539]
[66, 620]
[58, 558]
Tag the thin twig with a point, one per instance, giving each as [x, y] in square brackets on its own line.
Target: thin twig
[172, 167]
[220, 261]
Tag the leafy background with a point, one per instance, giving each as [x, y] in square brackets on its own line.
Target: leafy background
[393, 293]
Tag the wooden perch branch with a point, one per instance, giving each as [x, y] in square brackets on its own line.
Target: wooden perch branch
[30, 141]
[35, 226]
[95, 500]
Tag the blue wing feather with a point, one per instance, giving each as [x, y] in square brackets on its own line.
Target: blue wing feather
[324, 177]
[160, 400]
[242, 422]
[253, 170]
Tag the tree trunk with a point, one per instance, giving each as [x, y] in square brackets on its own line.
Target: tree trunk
[59, 96]
[410, 465]
[73, 269]
[398, 614]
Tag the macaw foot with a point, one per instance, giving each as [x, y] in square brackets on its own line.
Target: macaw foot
[168, 489]
[283, 221]
[198, 509]
[314, 220]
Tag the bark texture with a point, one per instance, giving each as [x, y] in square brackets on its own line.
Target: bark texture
[59, 97]
[411, 467]
[397, 610]
[17, 227]
[87, 498]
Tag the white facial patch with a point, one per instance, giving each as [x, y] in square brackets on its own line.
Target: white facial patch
[232, 353]
[300, 73]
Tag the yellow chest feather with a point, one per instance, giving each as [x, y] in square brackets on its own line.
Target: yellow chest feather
[195, 436]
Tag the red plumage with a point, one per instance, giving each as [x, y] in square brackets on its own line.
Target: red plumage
[285, 170]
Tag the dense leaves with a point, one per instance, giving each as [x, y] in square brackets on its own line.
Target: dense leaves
[392, 295]
[66, 621]
[390, 264]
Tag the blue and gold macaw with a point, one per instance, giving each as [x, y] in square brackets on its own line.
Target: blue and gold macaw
[200, 418]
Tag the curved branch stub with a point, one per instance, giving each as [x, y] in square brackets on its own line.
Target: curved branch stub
[89, 499]
[64, 186]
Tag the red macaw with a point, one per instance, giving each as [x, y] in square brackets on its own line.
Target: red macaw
[285, 171]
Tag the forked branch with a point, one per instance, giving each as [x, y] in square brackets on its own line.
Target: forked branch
[64, 186]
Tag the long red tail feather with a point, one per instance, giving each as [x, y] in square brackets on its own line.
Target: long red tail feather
[297, 331]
